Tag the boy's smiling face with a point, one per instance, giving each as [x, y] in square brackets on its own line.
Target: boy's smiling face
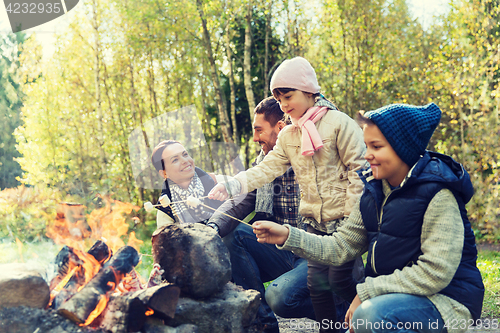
[384, 161]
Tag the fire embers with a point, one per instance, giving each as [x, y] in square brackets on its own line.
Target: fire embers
[90, 287]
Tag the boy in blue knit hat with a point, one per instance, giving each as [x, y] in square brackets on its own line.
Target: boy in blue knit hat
[421, 273]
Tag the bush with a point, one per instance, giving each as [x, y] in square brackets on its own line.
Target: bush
[484, 208]
[25, 212]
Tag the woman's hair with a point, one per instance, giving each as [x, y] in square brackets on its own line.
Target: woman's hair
[156, 158]
[271, 110]
[362, 120]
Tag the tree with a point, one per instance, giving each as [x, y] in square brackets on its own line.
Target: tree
[11, 100]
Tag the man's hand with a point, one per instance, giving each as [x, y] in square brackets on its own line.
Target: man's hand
[348, 316]
[270, 232]
[218, 192]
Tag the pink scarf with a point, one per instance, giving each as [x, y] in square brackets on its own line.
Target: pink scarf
[311, 141]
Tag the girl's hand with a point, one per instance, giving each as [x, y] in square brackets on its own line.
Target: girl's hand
[348, 316]
[218, 192]
[270, 232]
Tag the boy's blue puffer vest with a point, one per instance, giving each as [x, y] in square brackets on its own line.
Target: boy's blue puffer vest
[208, 184]
[394, 242]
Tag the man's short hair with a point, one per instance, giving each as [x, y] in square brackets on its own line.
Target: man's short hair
[271, 110]
[156, 158]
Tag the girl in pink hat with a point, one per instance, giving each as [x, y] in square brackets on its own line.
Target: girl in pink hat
[325, 148]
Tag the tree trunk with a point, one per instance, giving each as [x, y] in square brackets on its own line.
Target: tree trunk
[206, 119]
[223, 121]
[231, 84]
[97, 76]
[266, 56]
[247, 66]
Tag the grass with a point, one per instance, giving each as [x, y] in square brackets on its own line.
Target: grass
[489, 265]
[40, 254]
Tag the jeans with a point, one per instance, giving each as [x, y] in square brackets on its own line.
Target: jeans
[325, 282]
[397, 312]
[254, 263]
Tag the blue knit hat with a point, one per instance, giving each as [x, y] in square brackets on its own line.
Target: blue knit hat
[408, 128]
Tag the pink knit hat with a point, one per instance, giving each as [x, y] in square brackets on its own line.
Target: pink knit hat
[296, 73]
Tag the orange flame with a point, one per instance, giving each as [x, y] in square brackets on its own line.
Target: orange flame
[90, 265]
[77, 230]
[103, 301]
[149, 312]
[72, 228]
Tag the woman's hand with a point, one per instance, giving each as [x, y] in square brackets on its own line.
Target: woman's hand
[218, 192]
[270, 232]
[348, 316]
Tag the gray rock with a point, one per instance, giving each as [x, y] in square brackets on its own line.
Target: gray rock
[232, 310]
[21, 285]
[156, 326]
[23, 319]
[193, 257]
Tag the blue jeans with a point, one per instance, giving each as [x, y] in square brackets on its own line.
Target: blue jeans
[328, 284]
[397, 312]
[254, 263]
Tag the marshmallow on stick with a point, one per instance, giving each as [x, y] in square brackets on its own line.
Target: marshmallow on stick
[148, 206]
[164, 201]
[193, 202]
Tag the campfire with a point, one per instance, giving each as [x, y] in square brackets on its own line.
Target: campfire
[90, 287]
[93, 281]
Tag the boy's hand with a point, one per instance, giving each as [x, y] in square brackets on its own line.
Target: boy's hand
[218, 192]
[270, 232]
[348, 316]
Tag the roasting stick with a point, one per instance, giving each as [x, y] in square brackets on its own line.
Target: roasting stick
[191, 201]
[223, 213]
[149, 206]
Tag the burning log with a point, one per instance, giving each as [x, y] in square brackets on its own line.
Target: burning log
[162, 299]
[127, 313]
[69, 262]
[65, 260]
[122, 314]
[100, 251]
[89, 302]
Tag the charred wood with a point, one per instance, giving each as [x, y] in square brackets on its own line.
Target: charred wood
[122, 314]
[79, 307]
[67, 259]
[162, 299]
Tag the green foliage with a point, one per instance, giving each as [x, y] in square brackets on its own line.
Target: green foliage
[11, 99]
[25, 212]
[489, 264]
[122, 63]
